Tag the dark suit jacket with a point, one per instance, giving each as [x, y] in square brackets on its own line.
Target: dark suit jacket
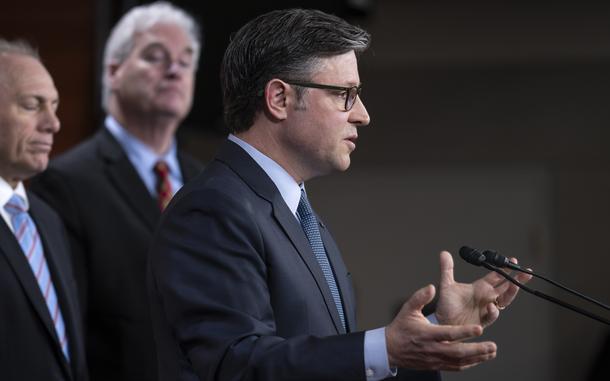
[110, 217]
[29, 348]
[236, 291]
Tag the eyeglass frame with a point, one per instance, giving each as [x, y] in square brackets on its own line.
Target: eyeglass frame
[347, 89]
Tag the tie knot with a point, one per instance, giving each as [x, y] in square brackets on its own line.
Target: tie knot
[304, 209]
[15, 205]
[161, 168]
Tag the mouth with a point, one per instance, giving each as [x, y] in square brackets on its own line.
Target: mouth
[43, 147]
[351, 141]
[171, 90]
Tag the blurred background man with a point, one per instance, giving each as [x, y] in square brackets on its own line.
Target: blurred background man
[110, 190]
[40, 322]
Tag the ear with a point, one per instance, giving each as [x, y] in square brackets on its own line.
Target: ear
[276, 94]
[113, 72]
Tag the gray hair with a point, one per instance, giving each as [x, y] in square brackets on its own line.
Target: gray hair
[284, 44]
[20, 47]
[16, 47]
[139, 19]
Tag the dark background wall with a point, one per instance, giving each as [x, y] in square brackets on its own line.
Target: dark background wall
[489, 127]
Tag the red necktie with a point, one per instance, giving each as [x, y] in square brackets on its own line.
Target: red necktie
[164, 187]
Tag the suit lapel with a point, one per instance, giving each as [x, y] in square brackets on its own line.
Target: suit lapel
[15, 256]
[234, 156]
[126, 180]
[334, 256]
[52, 246]
[295, 233]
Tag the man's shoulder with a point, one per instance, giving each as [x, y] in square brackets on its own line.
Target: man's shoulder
[216, 185]
[85, 157]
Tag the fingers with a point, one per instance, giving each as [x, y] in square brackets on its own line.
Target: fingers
[460, 362]
[494, 279]
[508, 292]
[466, 353]
[420, 298]
[453, 332]
[423, 352]
[491, 315]
[446, 262]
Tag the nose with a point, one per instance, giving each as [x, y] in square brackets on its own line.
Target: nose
[49, 121]
[358, 114]
[173, 69]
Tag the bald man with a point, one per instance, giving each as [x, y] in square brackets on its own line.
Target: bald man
[40, 329]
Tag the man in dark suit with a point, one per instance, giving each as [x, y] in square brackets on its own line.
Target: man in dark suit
[40, 326]
[110, 189]
[246, 282]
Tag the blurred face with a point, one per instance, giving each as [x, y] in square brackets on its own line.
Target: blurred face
[157, 77]
[320, 134]
[28, 102]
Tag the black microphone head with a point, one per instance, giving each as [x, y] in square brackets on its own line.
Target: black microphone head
[472, 256]
[492, 257]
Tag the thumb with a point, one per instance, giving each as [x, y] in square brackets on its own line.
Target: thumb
[446, 261]
[420, 298]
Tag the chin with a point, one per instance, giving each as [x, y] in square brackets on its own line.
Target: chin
[343, 165]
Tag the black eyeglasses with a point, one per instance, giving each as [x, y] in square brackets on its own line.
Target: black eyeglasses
[351, 92]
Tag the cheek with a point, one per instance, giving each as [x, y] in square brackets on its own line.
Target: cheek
[138, 80]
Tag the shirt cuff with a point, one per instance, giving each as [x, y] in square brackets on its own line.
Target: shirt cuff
[376, 364]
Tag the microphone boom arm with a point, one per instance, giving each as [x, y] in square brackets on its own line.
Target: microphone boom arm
[545, 296]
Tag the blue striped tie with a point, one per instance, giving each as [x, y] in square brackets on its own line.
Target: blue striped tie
[309, 222]
[29, 240]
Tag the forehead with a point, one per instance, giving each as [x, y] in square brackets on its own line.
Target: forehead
[341, 69]
[171, 36]
[24, 76]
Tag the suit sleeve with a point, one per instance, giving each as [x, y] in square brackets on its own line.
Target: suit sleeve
[55, 190]
[209, 270]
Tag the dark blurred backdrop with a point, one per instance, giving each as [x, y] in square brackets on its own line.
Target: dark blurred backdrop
[489, 128]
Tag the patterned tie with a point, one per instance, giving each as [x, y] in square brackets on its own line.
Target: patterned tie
[29, 240]
[309, 222]
[164, 187]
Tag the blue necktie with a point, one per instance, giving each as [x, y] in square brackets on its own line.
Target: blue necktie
[309, 222]
[29, 240]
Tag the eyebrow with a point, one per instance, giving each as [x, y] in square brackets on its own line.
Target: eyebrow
[39, 98]
[155, 44]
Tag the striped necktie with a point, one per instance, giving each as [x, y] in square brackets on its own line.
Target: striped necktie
[309, 222]
[29, 240]
[164, 187]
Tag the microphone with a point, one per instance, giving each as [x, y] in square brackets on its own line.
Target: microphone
[472, 256]
[492, 257]
[493, 261]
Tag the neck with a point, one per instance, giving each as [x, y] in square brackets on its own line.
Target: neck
[265, 141]
[154, 130]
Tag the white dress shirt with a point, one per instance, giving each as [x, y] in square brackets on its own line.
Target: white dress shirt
[144, 159]
[6, 192]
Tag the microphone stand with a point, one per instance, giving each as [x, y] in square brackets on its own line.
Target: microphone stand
[505, 263]
[548, 297]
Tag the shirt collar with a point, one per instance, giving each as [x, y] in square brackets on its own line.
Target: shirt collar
[6, 192]
[139, 153]
[289, 189]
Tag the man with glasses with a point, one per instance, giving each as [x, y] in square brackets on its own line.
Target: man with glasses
[246, 282]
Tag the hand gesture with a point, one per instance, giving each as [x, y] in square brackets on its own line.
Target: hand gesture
[479, 302]
[413, 342]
